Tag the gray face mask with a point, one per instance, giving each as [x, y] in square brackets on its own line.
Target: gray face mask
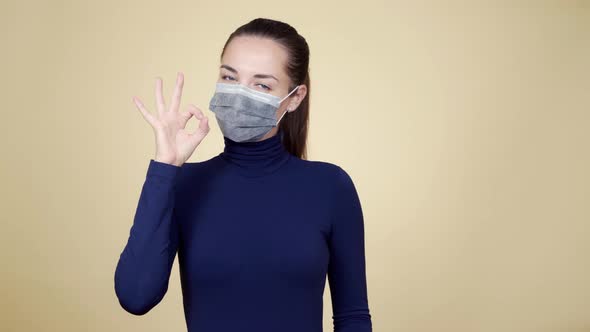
[244, 114]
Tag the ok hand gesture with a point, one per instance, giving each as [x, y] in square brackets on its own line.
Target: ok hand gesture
[174, 145]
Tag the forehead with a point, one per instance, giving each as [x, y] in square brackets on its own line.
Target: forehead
[255, 55]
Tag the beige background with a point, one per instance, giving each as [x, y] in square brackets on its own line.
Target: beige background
[465, 127]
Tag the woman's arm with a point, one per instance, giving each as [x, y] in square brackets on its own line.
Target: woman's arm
[346, 271]
[143, 270]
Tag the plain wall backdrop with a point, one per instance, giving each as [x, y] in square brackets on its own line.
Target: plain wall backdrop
[464, 125]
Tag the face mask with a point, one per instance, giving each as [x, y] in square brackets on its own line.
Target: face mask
[245, 114]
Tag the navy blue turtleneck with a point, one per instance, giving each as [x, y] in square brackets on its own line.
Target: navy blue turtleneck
[257, 230]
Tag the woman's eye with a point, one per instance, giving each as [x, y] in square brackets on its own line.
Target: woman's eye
[265, 87]
[225, 76]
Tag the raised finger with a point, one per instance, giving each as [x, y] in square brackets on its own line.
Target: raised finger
[177, 94]
[160, 103]
[146, 115]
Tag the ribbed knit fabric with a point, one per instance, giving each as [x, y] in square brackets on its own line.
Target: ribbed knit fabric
[257, 231]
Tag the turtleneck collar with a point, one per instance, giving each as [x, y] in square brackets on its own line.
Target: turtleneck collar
[256, 158]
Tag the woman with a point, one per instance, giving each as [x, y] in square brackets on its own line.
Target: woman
[258, 227]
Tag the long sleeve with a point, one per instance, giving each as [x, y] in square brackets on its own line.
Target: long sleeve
[346, 270]
[143, 270]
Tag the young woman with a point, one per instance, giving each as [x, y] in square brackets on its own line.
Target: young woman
[258, 227]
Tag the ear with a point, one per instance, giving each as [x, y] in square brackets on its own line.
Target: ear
[297, 97]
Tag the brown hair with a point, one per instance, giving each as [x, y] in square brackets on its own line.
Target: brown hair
[295, 124]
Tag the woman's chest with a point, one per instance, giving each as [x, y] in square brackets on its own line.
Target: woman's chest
[255, 233]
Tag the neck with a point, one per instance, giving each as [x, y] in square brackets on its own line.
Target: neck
[256, 158]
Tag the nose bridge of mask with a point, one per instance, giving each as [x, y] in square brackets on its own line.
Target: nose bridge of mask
[248, 92]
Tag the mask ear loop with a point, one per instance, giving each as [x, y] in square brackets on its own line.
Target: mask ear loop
[287, 96]
[285, 112]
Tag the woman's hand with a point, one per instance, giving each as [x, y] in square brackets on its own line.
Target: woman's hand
[174, 145]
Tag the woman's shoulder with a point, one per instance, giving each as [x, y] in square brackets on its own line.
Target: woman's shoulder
[202, 164]
[326, 170]
[192, 171]
[206, 167]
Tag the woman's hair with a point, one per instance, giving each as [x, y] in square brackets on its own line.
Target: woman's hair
[295, 124]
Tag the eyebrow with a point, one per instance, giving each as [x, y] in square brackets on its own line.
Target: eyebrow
[257, 75]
